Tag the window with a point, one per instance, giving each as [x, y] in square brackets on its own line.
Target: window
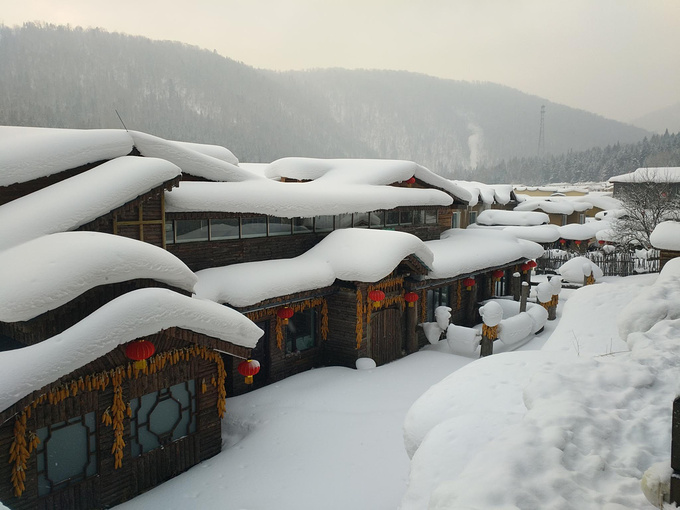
[169, 232]
[162, 417]
[254, 227]
[324, 223]
[343, 221]
[280, 226]
[377, 219]
[224, 229]
[499, 287]
[67, 453]
[418, 217]
[303, 225]
[191, 230]
[301, 331]
[581, 218]
[436, 297]
[430, 217]
[473, 217]
[392, 218]
[406, 217]
[360, 220]
[455, 219]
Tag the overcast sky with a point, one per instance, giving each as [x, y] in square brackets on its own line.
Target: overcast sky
[617, 58]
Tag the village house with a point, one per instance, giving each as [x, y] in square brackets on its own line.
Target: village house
[140, 274]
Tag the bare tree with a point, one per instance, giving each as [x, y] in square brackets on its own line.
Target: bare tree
[649, 197]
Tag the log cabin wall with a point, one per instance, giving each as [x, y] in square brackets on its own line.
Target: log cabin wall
[341, 347]
[665, 256]
[59, 319]
[105, 485]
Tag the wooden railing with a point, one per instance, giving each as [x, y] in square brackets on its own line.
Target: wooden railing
[618, 263]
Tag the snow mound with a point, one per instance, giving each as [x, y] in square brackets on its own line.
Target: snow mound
[576, 269]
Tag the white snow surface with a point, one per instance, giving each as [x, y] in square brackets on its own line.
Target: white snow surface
[512, 218]
[574, 270]
[73, 202]
[460, 252]
[346, 254]
[666, 236]
[536, 233]
[28, 153]
[651, 174]
[133, 315]
[45, 273]
[215, 151]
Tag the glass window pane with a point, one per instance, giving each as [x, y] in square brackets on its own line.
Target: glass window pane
[377, 219]
[430, 217]
[343, 221]
[301, 331]
[418, 217]
[191, 230]
[455, 220]
[303, 225]
[392, 218]
[406, 217]
[360, 220]
[279, 226]
[254, 227]
[169, 232]
[224, 229]
[323, 223]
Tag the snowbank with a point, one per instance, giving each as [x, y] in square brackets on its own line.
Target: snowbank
[133, 315]
[47, 272]
[666, 236]
[576, 269]
[512, 218]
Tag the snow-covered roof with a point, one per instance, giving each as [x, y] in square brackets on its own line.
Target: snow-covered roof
[133, 315]
[489, 194]
[28, 153]
[555, 205]
[324, 196]
[512, 218]
[582, 232]
[666, 236]
[82, 198]
[652, 174]
[347, 254]
[535, 233]
[45, 273]
[460, 252]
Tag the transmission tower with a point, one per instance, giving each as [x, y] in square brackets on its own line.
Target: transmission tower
[541, 134]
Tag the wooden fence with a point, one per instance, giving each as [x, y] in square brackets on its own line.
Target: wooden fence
[618, 263]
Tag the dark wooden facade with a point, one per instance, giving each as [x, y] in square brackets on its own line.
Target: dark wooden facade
[184, 360]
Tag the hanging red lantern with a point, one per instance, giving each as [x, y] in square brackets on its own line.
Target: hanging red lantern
[376, 295]
[498, 274]
[469, 283]
[285, 313]
[601, 242]
[577, 242]
[563, 241]
[532, 264]
[139, 351]
[248, 368]
[411, 298]
[525, 267]
[412, 180]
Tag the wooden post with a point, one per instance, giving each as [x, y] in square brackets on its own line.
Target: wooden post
[486, 346]
[516, 286]
[411, 323]
[552, 309]
[675, 452]
[525, 296]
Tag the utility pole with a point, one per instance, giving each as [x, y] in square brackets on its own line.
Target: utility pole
[541, 134]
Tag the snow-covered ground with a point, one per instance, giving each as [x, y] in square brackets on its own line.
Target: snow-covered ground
[571, 420]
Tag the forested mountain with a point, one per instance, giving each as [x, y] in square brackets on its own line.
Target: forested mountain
[59, 76]
[661, 120]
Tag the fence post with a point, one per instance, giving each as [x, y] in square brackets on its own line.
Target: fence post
[516, 286]
[525, 296]
[675, 452]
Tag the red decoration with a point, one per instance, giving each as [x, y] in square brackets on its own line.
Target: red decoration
[601, 242]
[285, 313]
[577, 242]
[410, 298]
[412, 180]
[563, 241]
[469, 283]
[376, 295]
[248, 368]
[139, 351]
[498, 274]
[525, 267]
[532, 264]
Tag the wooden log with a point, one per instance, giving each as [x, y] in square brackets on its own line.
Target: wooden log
[524, 297]
[675, 452]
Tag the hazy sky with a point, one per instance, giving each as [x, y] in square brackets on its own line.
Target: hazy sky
[617, 58]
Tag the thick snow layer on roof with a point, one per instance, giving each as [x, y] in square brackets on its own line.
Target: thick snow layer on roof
[28, 153]
[666, 236]
[297, 199]
[50, 271]
[215, 151]
[514, 218]
[652, 174]
[582, 232]
[460, 252]
[190, 160]
[535, 233]
[576, 269]
[80, 199]
[361, 171]
[346, 254]
[133, 315]
[548, 206]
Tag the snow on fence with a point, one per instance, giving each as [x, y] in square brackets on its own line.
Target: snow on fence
[615, 263]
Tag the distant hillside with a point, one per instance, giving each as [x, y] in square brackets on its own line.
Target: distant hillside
[61, 77]
[661, 120]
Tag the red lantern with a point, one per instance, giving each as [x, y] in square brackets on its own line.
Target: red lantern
[412, 180]
[469, 283]
[139, 351]
[285, 313]
[532, 264]
[410, 298]
[498, 274]
[376, 295]
[563, 241]
[601, 242]
[525, 267]
[577, 242]
[248, 368]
